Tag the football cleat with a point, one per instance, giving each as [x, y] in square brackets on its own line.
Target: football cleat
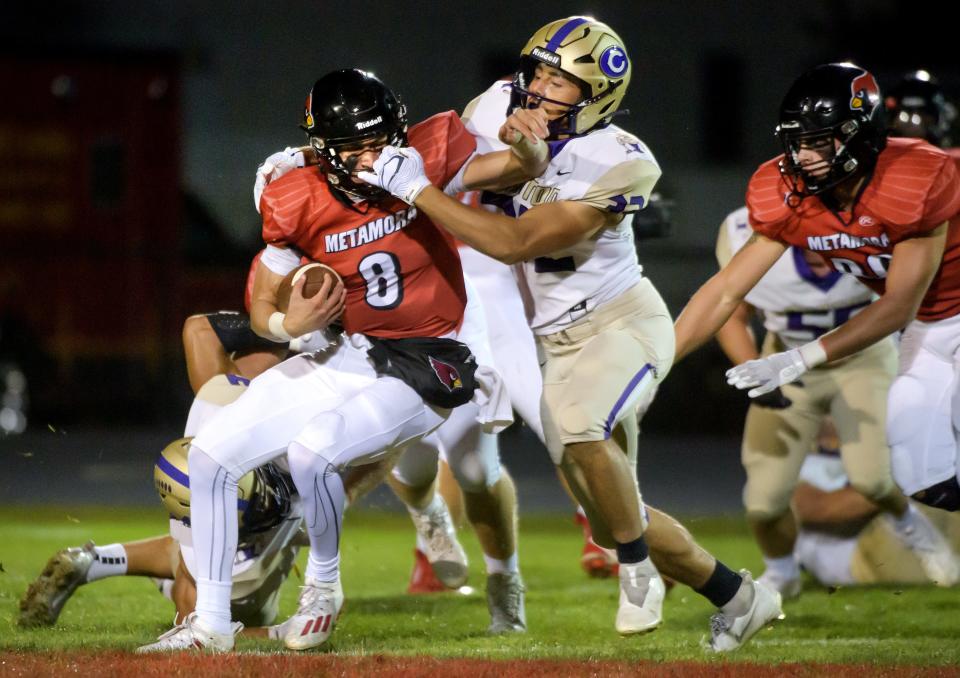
[46, 596]
[641, 599]
[787, 588]
[505, 593]
[595, 560]
[423, 579]
[438, 540]
[599, 562]
[926, 542]
[190, 634]
[728, 633]
[319, 607]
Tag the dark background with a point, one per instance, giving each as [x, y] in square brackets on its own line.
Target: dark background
[130, 133]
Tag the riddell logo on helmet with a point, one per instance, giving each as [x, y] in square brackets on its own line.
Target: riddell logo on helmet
[369, 123]
[545, 56]
[861, 89]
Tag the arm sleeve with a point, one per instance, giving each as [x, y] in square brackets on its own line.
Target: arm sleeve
[943, 199]
[625, 188]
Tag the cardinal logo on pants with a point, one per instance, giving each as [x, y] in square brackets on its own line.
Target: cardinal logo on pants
[446, 373]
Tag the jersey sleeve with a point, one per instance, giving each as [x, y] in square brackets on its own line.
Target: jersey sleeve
[765, 201]
[283, 205]
[943, 198]
[917, 188]
[625, 188]
[445, 145]
[484, 116]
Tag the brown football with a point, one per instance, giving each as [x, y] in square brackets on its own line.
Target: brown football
[315, 273]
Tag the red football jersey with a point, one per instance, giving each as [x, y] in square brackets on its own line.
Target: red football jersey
[251, 276]
[402, 273]
[915, 187]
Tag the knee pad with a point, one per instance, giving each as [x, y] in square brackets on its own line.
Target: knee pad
[944, 495]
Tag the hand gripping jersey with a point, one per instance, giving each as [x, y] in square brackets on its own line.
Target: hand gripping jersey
[608, 169]
[914, 188]
[401, 272]
[797, 305]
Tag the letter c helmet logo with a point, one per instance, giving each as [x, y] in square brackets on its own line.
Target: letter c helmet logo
[613, 62]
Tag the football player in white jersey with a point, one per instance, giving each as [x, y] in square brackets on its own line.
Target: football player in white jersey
[845, 539]
[604, 334]
[270, 538]
[800, 298]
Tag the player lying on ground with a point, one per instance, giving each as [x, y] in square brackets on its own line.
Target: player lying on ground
[604, 332]
[269, 539]
[846, 539]
[800, 298]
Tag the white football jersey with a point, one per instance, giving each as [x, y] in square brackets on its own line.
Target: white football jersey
[797, 305]
[257, 556]
[609, 169]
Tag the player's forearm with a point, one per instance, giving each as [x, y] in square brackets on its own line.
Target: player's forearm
[503, 169]
[737, 341]
[495, 235]
[703, 316]
[837, 511]
[874, 323]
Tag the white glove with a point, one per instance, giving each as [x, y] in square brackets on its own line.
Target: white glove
[275, 167]
[398, 171]
[312, 342]
[768, 373]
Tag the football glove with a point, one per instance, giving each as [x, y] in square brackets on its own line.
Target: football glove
[398, 171]
[275, 167]
[774, 400]
[766, 374]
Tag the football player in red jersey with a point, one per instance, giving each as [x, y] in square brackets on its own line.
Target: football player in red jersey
[885, 210]
[917, 107]
[392, 378]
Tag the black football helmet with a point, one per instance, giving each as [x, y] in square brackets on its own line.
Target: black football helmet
[346, 108]
[917, 107]
[837, 107]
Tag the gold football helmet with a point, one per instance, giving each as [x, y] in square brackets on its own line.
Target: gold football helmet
[263, 495]
[593, 55]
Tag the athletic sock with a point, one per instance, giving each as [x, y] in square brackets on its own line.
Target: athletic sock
[508, 566]
[722, 586]
[323, 570]
[108, 561]
[213, 604]
[632, 552]
[785, 568]
[904, 522]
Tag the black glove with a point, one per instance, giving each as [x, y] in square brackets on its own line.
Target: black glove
[775, 400]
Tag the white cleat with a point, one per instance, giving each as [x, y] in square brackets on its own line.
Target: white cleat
[192, 635]
[729, 633]
[311, 626]
[787, 588]
[641, 599]
[926, 542]
[438, 541]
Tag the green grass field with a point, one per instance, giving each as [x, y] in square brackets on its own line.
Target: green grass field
[569, 615]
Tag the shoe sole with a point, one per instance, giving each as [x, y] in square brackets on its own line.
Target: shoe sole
[37, 607]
